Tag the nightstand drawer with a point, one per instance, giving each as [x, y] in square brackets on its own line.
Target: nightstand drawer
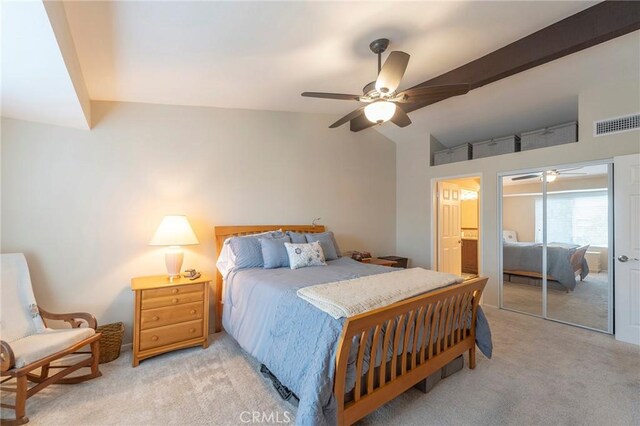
[158, 302]
[162, 336]
[158, 317]
[171, 291]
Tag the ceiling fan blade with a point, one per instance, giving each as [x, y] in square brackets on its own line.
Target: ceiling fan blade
[360, 123]
[338, 96]
[568, 170]
[527, 177]
[348, 117]
[400, 118]
[392, 71]
[575, 174]
[425, 94]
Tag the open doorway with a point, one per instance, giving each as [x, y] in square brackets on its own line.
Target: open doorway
[457, 225]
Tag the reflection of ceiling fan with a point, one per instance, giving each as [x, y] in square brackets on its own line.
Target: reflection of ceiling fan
[381, 96]
[551, 174]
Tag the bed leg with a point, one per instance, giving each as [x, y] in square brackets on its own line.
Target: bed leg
[472, 357]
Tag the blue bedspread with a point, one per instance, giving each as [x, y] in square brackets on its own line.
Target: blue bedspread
[295, 340]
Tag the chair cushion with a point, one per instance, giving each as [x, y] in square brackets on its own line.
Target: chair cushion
[19, 313]
[38, 346]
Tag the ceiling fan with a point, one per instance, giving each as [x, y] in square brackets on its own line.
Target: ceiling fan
[381, 96]
[552, 175]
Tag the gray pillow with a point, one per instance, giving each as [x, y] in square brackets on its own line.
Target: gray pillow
[274, 253]
[297, 238]
[248, 251]
[323, 235]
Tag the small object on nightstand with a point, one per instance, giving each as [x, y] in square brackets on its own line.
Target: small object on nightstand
[401, 262]
[192, 274]
[358, 255]
[169, 315]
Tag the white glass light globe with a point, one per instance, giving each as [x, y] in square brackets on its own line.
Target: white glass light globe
[380, 111]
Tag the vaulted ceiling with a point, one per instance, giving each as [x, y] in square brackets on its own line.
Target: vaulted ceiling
[262, 55]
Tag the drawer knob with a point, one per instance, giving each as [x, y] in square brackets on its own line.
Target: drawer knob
[174, 291]
[192, 330]
[193, 312]
[174, 301]
[154, 338]
[155, 318]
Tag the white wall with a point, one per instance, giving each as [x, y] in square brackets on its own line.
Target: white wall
[84, 204]
[415, 175]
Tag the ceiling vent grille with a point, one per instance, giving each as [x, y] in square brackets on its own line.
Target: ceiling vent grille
[616, 125]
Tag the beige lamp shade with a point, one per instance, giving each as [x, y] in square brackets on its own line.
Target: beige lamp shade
[174, 231]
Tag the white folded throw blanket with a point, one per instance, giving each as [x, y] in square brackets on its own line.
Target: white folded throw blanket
[352, 297]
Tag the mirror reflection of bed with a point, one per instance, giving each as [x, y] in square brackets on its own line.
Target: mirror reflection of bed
[577, 227]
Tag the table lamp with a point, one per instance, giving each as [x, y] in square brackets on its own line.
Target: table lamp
[174, 231]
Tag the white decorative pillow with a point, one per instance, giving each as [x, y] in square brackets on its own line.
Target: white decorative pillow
[303, 255]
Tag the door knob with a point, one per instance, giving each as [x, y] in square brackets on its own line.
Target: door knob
[624, 258]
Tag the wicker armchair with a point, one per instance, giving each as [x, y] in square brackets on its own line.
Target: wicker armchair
[28, 344]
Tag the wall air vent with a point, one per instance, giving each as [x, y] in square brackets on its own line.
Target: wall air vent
[616, 125]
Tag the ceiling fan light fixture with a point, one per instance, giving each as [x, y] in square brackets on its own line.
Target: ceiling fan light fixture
[380, 111]
[552, 175]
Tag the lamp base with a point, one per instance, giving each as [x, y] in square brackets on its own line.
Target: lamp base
[173, 260]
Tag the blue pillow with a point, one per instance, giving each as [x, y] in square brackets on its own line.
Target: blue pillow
[296, 237]
[323, 235]
[248, 251]
[274, 253]
[328, 248]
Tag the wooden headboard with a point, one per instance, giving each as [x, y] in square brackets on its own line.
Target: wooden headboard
[224, 232]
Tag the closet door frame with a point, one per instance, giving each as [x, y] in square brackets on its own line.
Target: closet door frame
[610, 276]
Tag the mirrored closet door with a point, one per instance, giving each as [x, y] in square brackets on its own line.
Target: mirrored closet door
[556, 236]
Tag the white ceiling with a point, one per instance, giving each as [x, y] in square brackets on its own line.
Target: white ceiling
[262, 55]
[36, 84]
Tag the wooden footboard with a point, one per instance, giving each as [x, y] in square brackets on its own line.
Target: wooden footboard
[424, 334]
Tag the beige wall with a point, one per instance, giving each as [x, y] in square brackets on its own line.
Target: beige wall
[84, 204]
[469, 214]
[519, 214]
[415, 176]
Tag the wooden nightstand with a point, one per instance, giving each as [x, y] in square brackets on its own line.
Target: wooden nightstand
[169, 315]
[381, 262]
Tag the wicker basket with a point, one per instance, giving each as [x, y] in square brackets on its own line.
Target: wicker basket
[110, 341]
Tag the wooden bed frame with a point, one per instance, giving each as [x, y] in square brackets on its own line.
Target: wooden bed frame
[439, 311]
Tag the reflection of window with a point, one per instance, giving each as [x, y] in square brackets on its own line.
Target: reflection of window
[574, 217]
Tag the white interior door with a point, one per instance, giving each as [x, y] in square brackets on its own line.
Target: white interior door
[449, 238]
[627, 248]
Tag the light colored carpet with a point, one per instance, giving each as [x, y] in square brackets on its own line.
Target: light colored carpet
[542, 373]
[586, 305]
